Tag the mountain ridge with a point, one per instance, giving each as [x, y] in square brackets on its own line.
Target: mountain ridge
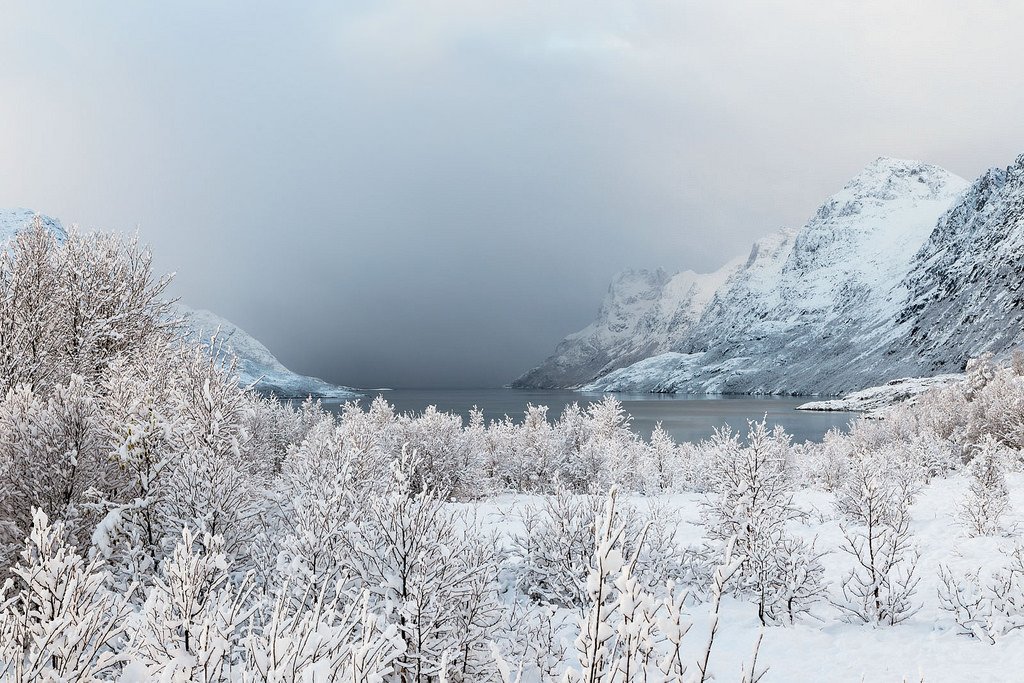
[871, 288]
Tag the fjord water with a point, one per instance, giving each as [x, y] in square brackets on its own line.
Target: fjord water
[685, 417]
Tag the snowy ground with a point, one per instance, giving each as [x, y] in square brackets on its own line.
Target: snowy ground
[926, 648]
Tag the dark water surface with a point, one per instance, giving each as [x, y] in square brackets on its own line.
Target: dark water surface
[685, 417]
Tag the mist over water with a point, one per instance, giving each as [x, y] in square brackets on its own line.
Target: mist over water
[685, 417]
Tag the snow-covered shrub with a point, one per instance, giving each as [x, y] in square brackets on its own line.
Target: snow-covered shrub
[450, 457]
[797, 581]
[881, 586]
[304, 540]
[941, 412]
[557, 540]
[550, 555]
[932, 455]
[194, 618]
[374, 432]
[53, 451]
[987, 499]
[910, 448]
[825, 464]
[750, 504]
[989, 402]
[629, 634]
[430, 573]
[523, 457]
[997, 409]
[603, 449]
[617, 631]
[694, 465]
[979, 372]
[540, 641]
[272, 426]
[661, 468]
[212, 487]
[142, 423]
[985, 603]
[176, 432]
[445, 462]
[662, 556]
[59, 621]
[322, 640]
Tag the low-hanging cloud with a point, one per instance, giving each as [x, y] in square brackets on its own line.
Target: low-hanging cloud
[433, 192]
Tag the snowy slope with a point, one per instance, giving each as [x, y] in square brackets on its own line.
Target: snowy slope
[257, 367]
[644, 313]
[13, 221]
[965, 287]
[798, 323]
[813, 310]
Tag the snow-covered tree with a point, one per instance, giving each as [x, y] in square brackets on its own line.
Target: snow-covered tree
[59, 621]
[304, 542]
[74, 307]
[629, 634]
[524, 457]
[605, 450]
[880, 588]
[825, 464]
[661, 468]
[988, 602]
[212, 486]
[429, 574]
[988, 498]
[194, 619]
[445, 462]
[750, 505]
[52, 452]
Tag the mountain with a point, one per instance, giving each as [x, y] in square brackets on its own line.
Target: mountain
[13, 221]
[257, 367]
[644, 313]
[965, 289]
[908, 270]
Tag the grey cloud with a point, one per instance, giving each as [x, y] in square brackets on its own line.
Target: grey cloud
[433, 192]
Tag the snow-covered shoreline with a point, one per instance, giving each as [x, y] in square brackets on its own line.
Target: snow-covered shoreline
[257, 367]
[875, 400]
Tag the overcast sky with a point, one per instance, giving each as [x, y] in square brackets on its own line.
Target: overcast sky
[434, 192]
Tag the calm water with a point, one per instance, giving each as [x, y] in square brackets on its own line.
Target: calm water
[686, 418]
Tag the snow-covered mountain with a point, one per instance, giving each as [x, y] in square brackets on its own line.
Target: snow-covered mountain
[908, 270]
[965, 287]
[257, 367]
[13, 221]
[643, 313]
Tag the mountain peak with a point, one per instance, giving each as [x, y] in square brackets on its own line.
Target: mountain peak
[887, 178]
[893, 162]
